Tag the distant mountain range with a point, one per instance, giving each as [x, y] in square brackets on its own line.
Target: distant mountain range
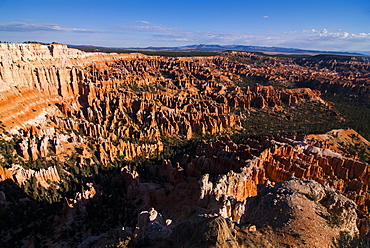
[219, 48]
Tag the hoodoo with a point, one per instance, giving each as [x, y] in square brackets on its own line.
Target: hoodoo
[161, 151]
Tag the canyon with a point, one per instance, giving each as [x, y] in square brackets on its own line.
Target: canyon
[228, 145]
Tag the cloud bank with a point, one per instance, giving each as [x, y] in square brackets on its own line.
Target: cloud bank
[29, 27]
[305, 39]
[144, 33]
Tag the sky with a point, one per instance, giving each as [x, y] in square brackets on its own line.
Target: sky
[326, 25]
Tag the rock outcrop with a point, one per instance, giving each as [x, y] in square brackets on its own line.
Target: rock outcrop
[348, 176]
[205, 232]
[292, 213]
[21, 175]
[303, 211]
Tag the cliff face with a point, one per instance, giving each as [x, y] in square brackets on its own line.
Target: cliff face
[17, 52]
[36, 66]
[32, 76]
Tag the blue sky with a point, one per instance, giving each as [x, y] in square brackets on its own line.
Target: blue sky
[337, 25]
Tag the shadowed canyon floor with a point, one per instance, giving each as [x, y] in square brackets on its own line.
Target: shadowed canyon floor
[117, 150]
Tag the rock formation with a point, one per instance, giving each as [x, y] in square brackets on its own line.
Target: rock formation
[301, 208]
[294, 213]
[122, 122]
[20, 175]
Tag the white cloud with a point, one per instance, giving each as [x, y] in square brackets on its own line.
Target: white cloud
[329, 40]
[141, 28]
[145, 33]
[336, 34]
[149, 27]
[307, 39]
[145, 22]
[30, 27]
